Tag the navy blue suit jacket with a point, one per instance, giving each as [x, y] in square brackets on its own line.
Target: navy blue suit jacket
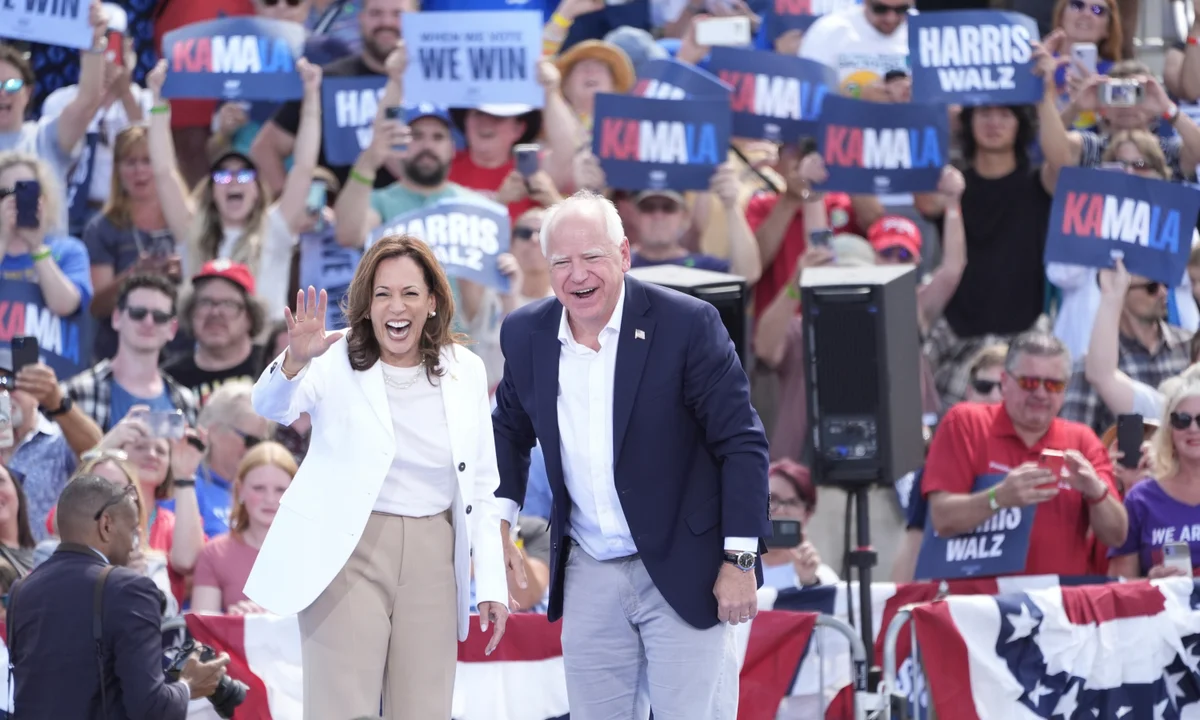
[54, 656]
[690, 456]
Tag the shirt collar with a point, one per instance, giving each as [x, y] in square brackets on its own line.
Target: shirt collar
[43, 427]
[613, 327]
[1002, 426]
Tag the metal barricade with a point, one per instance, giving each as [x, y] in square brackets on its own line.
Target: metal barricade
[892, 695]
[807, 706]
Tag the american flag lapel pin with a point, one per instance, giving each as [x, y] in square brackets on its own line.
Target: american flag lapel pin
[639, 334]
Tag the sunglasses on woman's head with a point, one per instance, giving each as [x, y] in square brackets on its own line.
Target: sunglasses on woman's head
[879, 8]
[984, 387]
[524, 233]
[1031, 384]
[228, 177]
[1182, 420]
[12, 86]
[1080, 5]
[138, 314]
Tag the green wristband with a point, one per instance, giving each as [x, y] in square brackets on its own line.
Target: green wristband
[993, 503]
[40, 254]
[160, 109]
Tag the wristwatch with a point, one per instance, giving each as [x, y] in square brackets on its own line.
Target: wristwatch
[743, 560]
[63, 408]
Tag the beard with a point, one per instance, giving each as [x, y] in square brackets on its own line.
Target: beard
[426, 178]
[374, 47]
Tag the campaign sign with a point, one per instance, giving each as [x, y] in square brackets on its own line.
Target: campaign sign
[880, 148]
[468, 59]
[327, 265]
[239, 58]
[650, 144]
[348, 106]
[997, 547]
[775, 97]
[973, 57]
[466, 236]
[1101, 216]
[669, 79]
[784, 15]
[64, 23]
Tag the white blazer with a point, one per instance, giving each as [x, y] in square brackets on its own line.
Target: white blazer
[325, 510]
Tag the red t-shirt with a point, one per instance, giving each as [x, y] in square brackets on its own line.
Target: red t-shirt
[974, 439]
[485, 181]
[174, 14]
[783, 268]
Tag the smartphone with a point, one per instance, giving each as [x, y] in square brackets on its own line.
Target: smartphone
[1055, 462]
[24, 352]
[1178, 555]
[7, 438]
[1084, 55]
[395, 113]
[28, 194]
[724, 31]
[785, 534]
[527, 158]
[1129, 439]
[115, 51]
[820, 238]
[317, 197]
[169, 424]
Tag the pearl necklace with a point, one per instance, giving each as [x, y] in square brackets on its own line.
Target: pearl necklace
[401, 384]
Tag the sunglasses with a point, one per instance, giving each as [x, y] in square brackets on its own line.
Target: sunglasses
[129, 491]
[12, 86]
[1151, 288]
[985, 387]
[1080, 6]
[138, 314]
[882, 9]
[229, 177]
[650, 207]
[897, 254]
[524, 233]
[1030, 384]
[1182, 420]
[289, 3]
[247, 439]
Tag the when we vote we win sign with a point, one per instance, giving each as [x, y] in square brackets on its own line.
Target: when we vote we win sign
[64, 23]
[973, 57]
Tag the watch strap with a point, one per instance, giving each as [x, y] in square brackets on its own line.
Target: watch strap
[63, 408]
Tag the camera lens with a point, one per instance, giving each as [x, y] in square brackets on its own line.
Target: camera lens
[229, 694]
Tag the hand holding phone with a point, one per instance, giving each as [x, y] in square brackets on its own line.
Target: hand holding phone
[396, 113]
[526, 158]
[24, 353]
[1056, 462]
[169, 424]
[28, 194]
[1129, 439]
[1178, 556]
[785, 534]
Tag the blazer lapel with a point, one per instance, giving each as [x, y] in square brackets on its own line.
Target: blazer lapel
[633, 347]
[546, 352]
[370, 382]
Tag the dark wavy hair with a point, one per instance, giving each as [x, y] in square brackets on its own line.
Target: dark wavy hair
[363, 346]
[24, 531]
[1026, 132]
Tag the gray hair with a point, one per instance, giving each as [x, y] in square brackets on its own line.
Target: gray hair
[1038, 343]
[229, 401]
[581, 203]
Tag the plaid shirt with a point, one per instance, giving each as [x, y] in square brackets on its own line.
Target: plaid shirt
[1083, 405]
[91, 391]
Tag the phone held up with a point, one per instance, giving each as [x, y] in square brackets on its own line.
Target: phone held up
[168, 424]
[28, 195]
[1129, 439]
[526, 159]
[396, 113]
[1055, 462]
[24, 353]
[1178, 555]
[785, 534]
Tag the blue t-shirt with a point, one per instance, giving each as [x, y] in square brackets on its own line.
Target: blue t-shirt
[122, 400]
[692, 260]
[213, 496]
[917, 507]
[65, 344]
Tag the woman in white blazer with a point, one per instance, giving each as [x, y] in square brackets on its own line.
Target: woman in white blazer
[373, 541]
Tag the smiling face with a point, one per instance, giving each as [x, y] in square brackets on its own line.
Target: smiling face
[134, 172]
[235, 191]
[151, 457]
[430, 152]
[587, 78]
[1085, 21]
[587, 270]
[379, 23]
[14, 97]
[400, 305]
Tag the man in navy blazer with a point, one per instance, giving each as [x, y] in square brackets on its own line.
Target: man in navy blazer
[658, 466]
[56, 673]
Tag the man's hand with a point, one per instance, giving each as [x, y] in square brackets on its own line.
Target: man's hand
[185, 456]
[512, 189]
[952, 185]
[497, 615]
[397, 62]
[514, 559]
[40, 381]
[726, 185]
[203, 678]
[542, 189]
[1027, 484]
[1083, 477]
[129, 430]
[737, 594]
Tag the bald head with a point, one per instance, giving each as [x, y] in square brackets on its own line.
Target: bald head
[112, 533]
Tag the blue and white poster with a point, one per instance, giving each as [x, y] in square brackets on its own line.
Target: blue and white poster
[997, 547]
[64, 343]
[648, 144]
[466, 236]
[326, 265]
[1100, 216]
[775, 97]
[65, 23]
[238, 58]
[669, 79]
[348, 106]
[784, 15]
[973, 57]
[468, 59]
[880, 148]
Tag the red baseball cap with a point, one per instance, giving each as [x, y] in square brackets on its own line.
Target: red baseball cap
[896, 231]
[235, 273]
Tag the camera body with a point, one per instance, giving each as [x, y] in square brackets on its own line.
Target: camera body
[229, 694]
[1122, 93]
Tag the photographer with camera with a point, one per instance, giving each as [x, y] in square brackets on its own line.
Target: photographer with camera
[84, 633]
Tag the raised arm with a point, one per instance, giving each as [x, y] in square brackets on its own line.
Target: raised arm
[293, 200]
[75, 118]
[744, 259]
[1100, 365]
[176, 205]
[286, 388]
[933, 296]
[1059, 147]
[188, 538]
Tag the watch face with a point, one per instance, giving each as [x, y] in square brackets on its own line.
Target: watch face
[746, 561]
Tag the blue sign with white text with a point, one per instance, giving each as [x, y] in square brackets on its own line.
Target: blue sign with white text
[775, 97]
[785, 15]
[880, 148]
[238, 58]
[669, 79]
[348, 106]
[466, 237]
[997, 547]
[326, 265]
[649, 144]
[60, 23]
[1099, 216]
[973, 57]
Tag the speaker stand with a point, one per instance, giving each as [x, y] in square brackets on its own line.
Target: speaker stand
[862, 558]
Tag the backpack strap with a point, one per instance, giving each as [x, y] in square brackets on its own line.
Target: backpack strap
[8, 626]
[98, 633]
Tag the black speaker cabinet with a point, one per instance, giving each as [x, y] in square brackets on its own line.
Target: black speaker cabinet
[862, 352]
[727, 293]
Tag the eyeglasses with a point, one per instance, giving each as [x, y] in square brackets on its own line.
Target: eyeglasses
[667, 207]
[524, 233]
[129, 491]
[1031, 384]
[879, 8]
[12, 86]
[897, 254]
[1151, 288]
[138, 314]
[777, 503]
[1182, 420]
[247, 439]
[985, 387]
[232, 306]
[228, 177]
[1080, 6]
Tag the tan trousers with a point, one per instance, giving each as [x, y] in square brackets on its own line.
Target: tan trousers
[386, 626]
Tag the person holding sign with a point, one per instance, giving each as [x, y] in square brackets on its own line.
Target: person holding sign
[393, 507]
[1069, 491]
[56, 138]
[230, 215]
[862, 43]
[658, 465]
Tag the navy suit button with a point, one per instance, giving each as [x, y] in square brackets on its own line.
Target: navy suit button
[462, 466]
[468, 509]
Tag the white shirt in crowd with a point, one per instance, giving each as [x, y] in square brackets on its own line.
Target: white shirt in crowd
[109, 122]
[421, 481]
[40, 138]
[274, 267]
[846, 42]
